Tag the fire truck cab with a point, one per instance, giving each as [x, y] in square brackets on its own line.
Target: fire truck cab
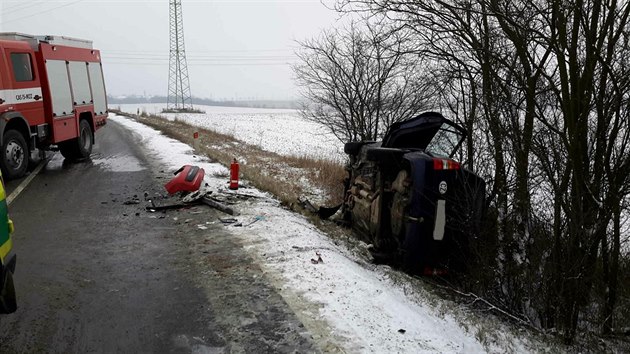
[52, 93]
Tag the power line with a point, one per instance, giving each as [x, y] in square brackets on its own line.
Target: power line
[21, 7]
[42, 12]
[207, 58]
[163, 55]
[198, 64]
[289, 49]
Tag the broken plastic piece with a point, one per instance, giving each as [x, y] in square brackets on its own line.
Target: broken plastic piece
[227, 220]
[258, 218]
[318, 260]
[188, 178]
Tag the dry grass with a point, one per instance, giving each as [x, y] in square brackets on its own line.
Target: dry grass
[286, 177]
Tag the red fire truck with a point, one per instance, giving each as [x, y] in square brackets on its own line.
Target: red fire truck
[52, 93]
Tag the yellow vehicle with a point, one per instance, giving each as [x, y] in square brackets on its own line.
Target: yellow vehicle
[8, 304]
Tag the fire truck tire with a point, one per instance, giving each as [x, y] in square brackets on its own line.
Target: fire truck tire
[67, 149]
[8, 303]
[85, 141]
[81, 147]
[14, 157]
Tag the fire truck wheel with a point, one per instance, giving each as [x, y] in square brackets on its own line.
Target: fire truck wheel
[67, 149]
[85, 140]
[81, 147]
[14, 157]
[8, 303]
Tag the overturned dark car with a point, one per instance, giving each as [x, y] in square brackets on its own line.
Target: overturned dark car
[409, 198]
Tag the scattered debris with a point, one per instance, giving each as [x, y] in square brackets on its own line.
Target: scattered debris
[257, 218]
[218, 206]
[153, 208]
[228, 220]
[241, 195]
[131, 201]
[202, 194]
[323, 212]
[306, 204]
[318, 260]
[196, 195]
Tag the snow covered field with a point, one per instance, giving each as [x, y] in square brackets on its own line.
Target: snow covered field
[358, 308]
[281, 131]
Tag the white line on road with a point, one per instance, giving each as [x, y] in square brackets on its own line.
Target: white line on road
[25, 182]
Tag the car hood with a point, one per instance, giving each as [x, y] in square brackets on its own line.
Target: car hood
[428, 131]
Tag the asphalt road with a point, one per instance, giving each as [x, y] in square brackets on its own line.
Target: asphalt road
[96, 273]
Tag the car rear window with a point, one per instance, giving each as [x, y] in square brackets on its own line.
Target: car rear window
[445, 142]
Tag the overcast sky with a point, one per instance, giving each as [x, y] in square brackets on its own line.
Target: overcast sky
[236, 49]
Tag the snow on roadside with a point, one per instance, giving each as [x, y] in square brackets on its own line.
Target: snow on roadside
[282, 131]
[364, 308]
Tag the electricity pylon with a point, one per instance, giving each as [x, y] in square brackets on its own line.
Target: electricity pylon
[179, 98]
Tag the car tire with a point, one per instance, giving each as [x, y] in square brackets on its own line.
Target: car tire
[8, 302]
[14, 159]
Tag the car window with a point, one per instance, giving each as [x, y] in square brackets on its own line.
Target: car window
[445, 142]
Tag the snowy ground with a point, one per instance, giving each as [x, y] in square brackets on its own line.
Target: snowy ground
[357, 308]
[278, 130]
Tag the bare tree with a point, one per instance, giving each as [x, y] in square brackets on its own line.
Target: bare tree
[357, 81]
[549, 80]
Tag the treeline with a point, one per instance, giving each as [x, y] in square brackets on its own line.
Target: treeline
[136, 99]
[543, 88]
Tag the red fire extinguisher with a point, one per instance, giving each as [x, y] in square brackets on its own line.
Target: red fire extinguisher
[234, 175]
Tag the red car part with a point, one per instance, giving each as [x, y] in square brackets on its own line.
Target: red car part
[188, 178]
